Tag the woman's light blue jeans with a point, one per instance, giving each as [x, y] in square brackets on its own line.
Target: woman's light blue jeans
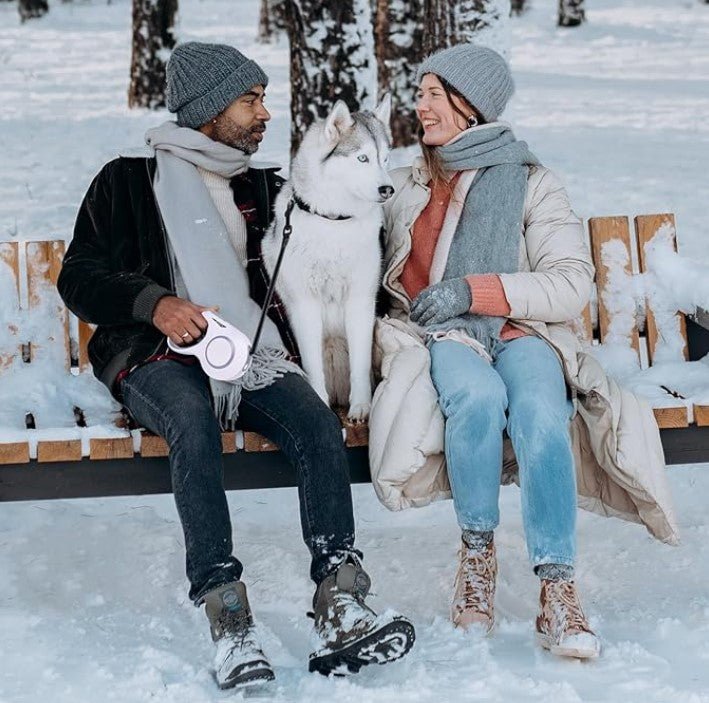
[524, 392]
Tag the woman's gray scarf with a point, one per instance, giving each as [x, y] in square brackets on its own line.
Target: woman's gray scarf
[210, 268]
[488, 236]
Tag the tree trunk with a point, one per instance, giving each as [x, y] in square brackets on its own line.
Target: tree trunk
[31, 9]
[332, 57]
[272, 20]
[398, 42]
[483, 22]
[438, 25]
[153, 38]
[571, 13]
[519, 7]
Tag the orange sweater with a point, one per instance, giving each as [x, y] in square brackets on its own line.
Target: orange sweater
[486, 289]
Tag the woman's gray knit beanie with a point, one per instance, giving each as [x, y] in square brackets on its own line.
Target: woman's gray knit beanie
[479, 74]
[203, 79]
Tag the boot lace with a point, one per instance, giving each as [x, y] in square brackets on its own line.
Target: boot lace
[478, 569]
[567, 606]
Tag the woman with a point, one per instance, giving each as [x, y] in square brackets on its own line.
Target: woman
[494, 258]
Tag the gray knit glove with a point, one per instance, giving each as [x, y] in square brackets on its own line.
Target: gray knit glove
[442, 301]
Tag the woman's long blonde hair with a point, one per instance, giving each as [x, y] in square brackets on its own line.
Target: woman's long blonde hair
[433, 161]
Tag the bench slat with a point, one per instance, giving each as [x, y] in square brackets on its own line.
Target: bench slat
[10, 256]
[44, 262]
[602, 230]
[701, 415]
[672, 417]
[85, 332]
[58, 450]
[14, 453]
[112, 448]
[646, 227]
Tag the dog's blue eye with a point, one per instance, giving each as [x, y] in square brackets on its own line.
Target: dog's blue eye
[363, 158]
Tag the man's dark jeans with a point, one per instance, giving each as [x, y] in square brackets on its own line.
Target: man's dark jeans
[173, 401]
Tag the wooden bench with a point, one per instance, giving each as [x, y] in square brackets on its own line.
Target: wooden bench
[44, 462]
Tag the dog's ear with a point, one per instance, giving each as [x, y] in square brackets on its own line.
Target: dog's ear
[338, 121]
[383, 110]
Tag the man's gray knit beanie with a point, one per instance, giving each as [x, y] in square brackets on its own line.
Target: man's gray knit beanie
[479, 74]
[203, 79]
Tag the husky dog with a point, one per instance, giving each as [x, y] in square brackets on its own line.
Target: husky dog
[330, 273]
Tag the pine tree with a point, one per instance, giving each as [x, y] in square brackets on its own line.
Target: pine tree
[398, 34]
[31, 9]
[332, 57]
[571, 13]
[483, 22]
[153, 39]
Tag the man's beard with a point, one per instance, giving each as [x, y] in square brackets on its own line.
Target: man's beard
[228, 132]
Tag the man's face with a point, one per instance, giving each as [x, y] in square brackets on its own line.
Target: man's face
[242, 124]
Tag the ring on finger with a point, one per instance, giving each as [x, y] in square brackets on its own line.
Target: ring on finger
[185, 335]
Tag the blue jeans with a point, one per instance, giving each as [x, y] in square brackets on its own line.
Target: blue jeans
[173, 401]
[524, 392]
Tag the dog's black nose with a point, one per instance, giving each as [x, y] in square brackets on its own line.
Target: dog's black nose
[386, 191]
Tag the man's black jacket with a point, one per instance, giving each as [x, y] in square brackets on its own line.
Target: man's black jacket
[117, 266]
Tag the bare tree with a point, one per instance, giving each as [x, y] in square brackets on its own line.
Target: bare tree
[571, 13]
[398, 42]
[519, 7]
[272, 20]
[438, 24]
[153, 39]
[332, 57]
[32, 9]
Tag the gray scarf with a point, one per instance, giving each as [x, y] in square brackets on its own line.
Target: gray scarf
[210, 268]
[488, 236]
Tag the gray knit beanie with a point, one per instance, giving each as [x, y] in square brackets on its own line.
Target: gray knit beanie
[203, 79]
[479, 74]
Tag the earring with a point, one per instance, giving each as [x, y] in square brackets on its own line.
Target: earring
[214, 121]
[472, 121]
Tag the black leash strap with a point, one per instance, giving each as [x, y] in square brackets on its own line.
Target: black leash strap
[287, 230]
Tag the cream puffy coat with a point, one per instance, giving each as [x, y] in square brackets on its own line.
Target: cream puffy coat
[619, 458]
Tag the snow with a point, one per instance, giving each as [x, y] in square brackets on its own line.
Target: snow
[94, 605]
[93, 601]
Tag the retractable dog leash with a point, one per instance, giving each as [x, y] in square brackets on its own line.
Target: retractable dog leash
[224, 351]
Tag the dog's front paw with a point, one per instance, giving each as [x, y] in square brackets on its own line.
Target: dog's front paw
[359, 412]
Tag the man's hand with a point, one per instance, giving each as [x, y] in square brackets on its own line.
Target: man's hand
[441, 302]
[179, 319]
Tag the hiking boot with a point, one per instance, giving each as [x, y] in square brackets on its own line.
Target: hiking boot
[562, 627]
[239, 660]
[473, 603]
[349, 634]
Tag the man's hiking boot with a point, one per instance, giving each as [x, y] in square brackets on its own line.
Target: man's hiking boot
[239, 660]
[473, 603]
[348, 632]
[562, 627]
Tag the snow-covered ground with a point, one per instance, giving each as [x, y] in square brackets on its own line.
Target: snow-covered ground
[93, 599]
[93, 605]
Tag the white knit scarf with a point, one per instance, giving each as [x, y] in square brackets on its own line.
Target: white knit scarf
[210, 268]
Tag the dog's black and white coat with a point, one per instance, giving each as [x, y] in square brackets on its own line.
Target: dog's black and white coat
[329, 278]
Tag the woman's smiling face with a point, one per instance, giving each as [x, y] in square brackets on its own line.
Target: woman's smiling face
[438, 117]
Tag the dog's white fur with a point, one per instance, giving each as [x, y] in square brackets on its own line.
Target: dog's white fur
[330, 273]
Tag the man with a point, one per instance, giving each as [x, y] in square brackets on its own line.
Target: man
[160, 239]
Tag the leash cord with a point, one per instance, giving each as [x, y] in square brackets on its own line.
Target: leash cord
[287, 230]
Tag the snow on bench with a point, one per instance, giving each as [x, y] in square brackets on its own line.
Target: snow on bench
[54, 410]
[641, 336]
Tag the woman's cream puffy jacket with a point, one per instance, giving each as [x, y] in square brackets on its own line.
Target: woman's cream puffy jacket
[619, 457]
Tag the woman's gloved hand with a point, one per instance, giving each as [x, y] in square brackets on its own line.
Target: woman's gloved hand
[441, 302]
